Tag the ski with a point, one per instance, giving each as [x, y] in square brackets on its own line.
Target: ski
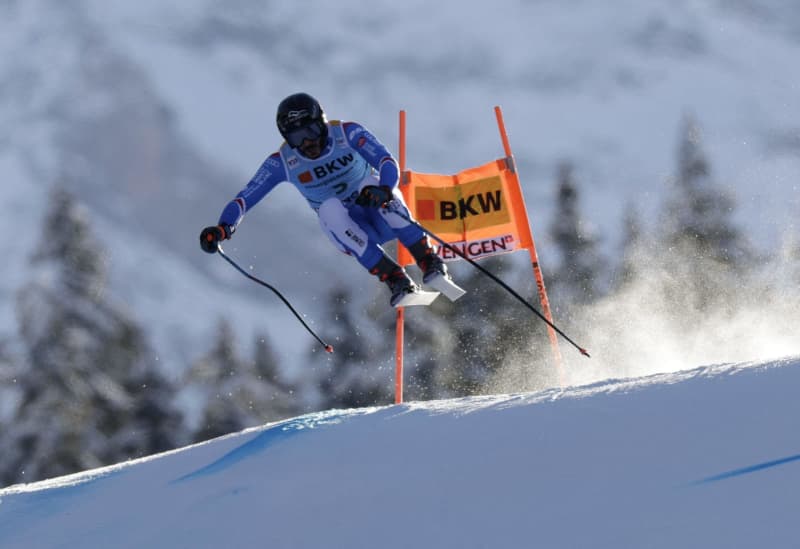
[445, 285]
[415, 298]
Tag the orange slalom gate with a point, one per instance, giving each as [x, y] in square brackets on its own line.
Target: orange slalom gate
[481, 212]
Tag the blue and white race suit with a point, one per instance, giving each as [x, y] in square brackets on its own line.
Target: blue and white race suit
[352, 159]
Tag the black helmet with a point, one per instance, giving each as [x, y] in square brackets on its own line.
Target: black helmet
[300, 117]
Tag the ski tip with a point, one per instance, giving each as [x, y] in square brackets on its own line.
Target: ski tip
[418, 297]
[446, 286]
[328, 348]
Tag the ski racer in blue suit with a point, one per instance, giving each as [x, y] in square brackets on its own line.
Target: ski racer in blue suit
[350, 179]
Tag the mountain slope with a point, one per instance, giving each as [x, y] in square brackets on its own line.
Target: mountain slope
[701, 458]
[155, 115]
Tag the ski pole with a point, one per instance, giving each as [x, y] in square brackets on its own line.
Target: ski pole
[496, 279]
[328, 348]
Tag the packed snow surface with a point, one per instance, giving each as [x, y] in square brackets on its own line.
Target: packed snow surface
[707, 457]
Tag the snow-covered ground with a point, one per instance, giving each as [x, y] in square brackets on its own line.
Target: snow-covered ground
[155, 114]
[705, 458]
[158, 113]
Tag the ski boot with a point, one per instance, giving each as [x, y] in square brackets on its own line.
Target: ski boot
[434, 270]
[428, 260]
[400, 284]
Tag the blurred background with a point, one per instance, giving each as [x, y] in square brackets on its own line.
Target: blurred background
[658, 145]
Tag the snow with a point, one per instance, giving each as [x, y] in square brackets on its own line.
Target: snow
[603, 85]
[697, 458]
[705, 457]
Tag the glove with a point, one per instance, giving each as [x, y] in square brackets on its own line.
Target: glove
[210, 237]
[373, 196]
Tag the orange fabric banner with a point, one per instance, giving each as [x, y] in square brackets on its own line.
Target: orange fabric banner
[479, 211]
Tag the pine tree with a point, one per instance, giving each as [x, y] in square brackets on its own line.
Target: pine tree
[280, 399]
[155, 424]
[9, 398]
[576, 279]
[427, 347]
[703, 250]
[8, 367]
[699, 212]
[84, 396]
[353, 376]
[489, 332]
[428, 351]
[236, 393]
[632, 242]
[211, 376]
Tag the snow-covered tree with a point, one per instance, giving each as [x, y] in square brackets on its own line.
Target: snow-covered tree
[236, 393]
[279, 397]
[350, 378]
[9, 393]
[705, 255]
[633, 239]
[698, 211]
[488, 328]
[576, 279]
[428, 348]
[90, 395]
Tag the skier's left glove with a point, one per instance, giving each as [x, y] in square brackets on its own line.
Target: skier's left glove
[211, 236]
[373, 196]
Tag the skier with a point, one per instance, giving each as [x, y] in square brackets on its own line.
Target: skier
[350, 179]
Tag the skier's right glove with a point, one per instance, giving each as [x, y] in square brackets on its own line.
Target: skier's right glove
[373, 196]
[211, 236]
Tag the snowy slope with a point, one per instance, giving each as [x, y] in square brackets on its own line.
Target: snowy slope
[706, 458]
[156, 114]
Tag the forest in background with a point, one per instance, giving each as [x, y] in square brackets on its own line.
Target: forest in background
[81, 385]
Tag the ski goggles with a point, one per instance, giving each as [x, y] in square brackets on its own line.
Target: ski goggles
[312, 132]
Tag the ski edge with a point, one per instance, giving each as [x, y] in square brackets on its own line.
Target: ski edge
[445, 285]
[417, 298]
